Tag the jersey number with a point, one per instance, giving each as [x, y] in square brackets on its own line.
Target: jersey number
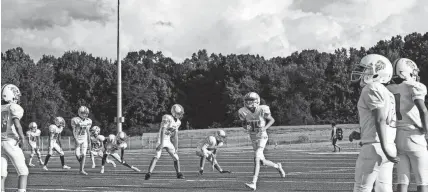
[397, 106]
[4, 120]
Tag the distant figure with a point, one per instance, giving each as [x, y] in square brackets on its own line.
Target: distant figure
[335, 135]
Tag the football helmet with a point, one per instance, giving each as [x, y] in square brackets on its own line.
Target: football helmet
[405, 69]
[59, 121]
[177, 111]
[220, 135]
[10, 93]
[83, 112]
[251, 100]
[32, 126]
[121, 137]
[95, 130]
[372, 68]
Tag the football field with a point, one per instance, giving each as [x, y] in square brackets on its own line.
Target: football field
[306, 170]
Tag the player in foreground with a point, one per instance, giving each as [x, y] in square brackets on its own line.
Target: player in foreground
[12, 136]
[207, 149]
[33, 135]
[169, 128]
[377, 118]
[256, 119]
[112, 144]
[81, 126]
[97, 146]
[411, 125]
[55, 131]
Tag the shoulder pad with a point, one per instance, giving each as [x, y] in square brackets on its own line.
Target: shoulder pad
[111, 138]
[75, 121]
[28, 133]
[242, 112]
[52, 128]
[123, 145]
[167, 117]
[90, 121]
[212, 140]
[220, 144]
[265, 108]
[16, 111]
[101, 137]
[38, 132]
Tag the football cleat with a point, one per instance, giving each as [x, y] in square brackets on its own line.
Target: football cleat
[147, 177]
[31, 165]
[281, 171]
[83, 173]
[66, 167]
[201, 172]
[93, 166]
[251, 185]
[102, 169]
[180, 176]
[225, 171]
[45, 168]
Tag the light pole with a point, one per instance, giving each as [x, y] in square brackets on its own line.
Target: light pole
[119, 119]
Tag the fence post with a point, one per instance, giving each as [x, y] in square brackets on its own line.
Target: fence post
[129, 143]
[69, 143]
[42, 142]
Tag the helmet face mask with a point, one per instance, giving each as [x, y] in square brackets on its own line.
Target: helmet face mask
[372, 68]
[177, 111]
[10, 94]
[59, 122]
[406, 69]
[121, 137]
[220, 136]
[251, 100]
[83, 112]
[95, 130]
[32, 126]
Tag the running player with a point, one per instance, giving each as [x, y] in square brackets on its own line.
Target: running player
[169, 128]
[207, 149]
[55, 131]
[256, 119]
[97, 145]
[33, 135]
[112, 144]
[377, 118]
[12, 136]
[411, 125]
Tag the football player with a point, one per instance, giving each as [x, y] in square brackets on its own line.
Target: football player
[207, 149]
[377, 118]
[33, 135]
[81, 126]
[112, 144]
[256, 119]
[169, 128]
[97, 145]
[412, 124]
[55, 131]
[12, 136]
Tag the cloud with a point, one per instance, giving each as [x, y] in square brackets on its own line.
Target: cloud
[269, 28]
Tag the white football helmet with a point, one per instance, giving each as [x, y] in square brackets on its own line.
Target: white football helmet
[121, 137]
[177, 111]
[220, 135]
[59, 121]
[32, 126]
[372, 68]
[83, 112]
[10, 93]
[251, 100]
[406, 69]
[95, 130]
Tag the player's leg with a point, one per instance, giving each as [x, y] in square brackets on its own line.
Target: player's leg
[384, 178]
[256, 171]
[334, 144]
[213, 160]
[48, 156]
[367, 168]
[84, 149]
[117, 158]
[171, 150]
[103, 161]
[17, 158]
[59, 150]
[153, 163]
[30, 161]
[419, 164]
[260, 152]
[403, 172]
[93, 153]
[77, 151]
[200, 154]
[3, 167]
[39, 156]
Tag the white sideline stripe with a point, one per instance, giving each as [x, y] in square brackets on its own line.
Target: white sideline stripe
[36, 189]
[333, 153]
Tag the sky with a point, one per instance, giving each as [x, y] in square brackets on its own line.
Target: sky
[269, 28]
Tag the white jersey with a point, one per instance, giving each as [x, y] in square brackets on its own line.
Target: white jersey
[97, 142]
[55, 132]
[405, 94]
[8, 113]
[170, 125]
[373, 96]
[112, 145]
[209, 143]
[81, 127]
[255, 120]
[32, 135]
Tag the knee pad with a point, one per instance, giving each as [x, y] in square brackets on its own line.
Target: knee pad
[3, 167]
[22, 170]
[61, 153]
[175, 157]
[50, 151]
[381, 186]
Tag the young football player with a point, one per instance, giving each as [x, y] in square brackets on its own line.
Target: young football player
[377, 118]
[207, 149]
[55, 131]
[97, 146]
[169, 128]
[412, 124]
[12, 136]
[334, 137]
[33, 135]
[81, 126]
[112, 144]
[256, 119]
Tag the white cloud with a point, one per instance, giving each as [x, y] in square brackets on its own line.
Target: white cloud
[179, 28]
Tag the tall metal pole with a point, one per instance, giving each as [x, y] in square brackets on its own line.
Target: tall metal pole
[119, 119]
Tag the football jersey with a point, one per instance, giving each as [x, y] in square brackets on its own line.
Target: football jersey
[255, 120]
[32, 135]
[112, 145]
[210, 143]
[55, 132]
[96, 142]
[170, 125]
[407, 112]
[8, 113]
[81, 127]
[373, 96]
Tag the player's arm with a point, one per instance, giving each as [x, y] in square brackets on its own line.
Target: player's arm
[381, 126]
[175, 140]
[28, 138]
[89, 140]
[269, 119]
[18, 127]
[59, 140]
[74, 127]
[420, 104]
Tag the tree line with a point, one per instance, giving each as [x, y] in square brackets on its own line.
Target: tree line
[307, 87]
